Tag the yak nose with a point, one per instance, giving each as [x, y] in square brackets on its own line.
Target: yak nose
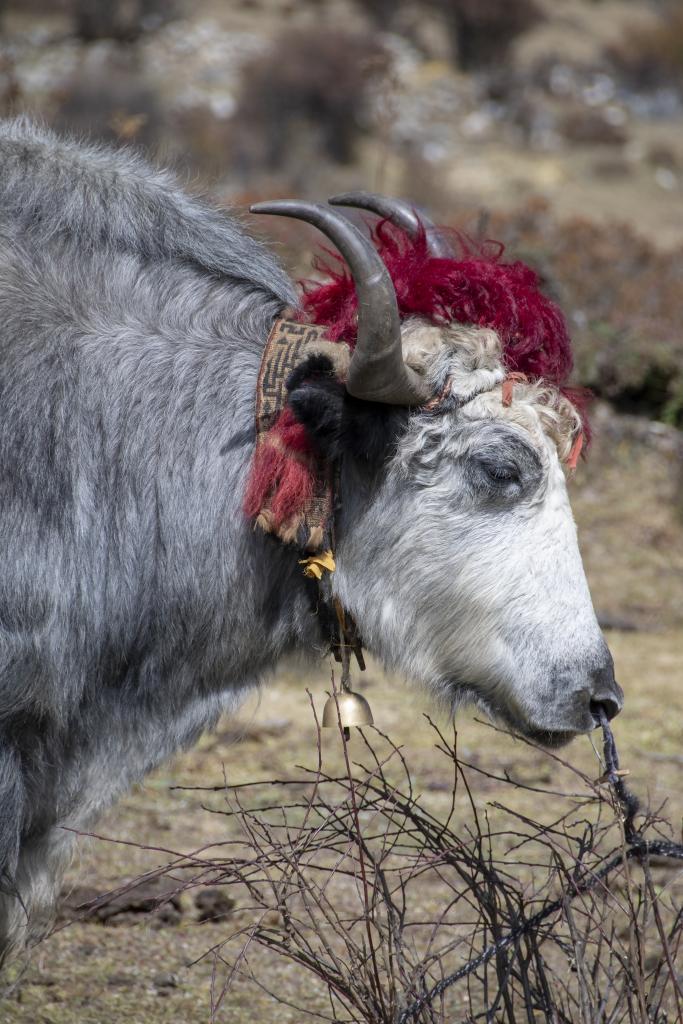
[606, 691]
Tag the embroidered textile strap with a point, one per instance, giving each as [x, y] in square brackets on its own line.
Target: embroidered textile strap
[311, 527]
[288, 344]
[284, 350]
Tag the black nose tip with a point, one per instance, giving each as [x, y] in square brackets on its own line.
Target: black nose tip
[606, 692]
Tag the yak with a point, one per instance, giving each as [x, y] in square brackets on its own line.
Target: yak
[137, 601]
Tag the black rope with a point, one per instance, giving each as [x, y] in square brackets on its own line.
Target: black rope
[636, 847]
[630, 804]
[637, 844]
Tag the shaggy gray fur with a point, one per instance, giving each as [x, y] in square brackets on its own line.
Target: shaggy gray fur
[134, 597]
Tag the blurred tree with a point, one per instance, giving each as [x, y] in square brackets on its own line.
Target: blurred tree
[124, 20]
[480, 31]
[310, 90]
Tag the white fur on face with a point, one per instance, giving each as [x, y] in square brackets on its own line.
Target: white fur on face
[463, 570]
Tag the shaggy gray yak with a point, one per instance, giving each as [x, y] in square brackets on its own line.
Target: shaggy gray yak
[137, 602]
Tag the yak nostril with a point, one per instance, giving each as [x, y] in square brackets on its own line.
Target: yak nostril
[606, 692]
[610, 706]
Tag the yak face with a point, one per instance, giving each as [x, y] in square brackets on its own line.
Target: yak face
[456, 548]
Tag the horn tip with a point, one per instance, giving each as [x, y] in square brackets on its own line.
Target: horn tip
[348, 198]
[264, 207]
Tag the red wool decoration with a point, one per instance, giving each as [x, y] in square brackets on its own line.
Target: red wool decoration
[478, 288]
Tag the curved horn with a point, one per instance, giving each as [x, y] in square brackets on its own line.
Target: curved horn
[400, 213]
[377, 372]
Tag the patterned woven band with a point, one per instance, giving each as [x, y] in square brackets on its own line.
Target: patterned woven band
[288, 344]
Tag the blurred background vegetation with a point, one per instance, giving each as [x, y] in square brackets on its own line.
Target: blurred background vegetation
[555, 126]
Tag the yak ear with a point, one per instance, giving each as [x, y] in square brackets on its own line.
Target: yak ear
[316, 397]
[337, 423]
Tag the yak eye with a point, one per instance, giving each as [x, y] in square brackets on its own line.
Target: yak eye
[506, 474]
[502, 467]
[500, 472]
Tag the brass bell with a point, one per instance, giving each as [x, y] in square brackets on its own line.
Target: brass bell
[345, 706]
[353, 710]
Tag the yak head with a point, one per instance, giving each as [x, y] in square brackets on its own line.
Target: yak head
[456, 548]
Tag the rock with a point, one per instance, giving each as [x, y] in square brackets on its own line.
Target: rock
[609, 620]
[213, 904]
[587, 125]
[165, 980]
[121, 980]
[666, 179]
[438, 786]
[662, 155]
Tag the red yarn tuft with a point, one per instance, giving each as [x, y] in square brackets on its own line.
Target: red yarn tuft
[281, 470]
[294, 491]
[477, 288]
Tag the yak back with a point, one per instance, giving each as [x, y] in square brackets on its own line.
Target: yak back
[54, 189]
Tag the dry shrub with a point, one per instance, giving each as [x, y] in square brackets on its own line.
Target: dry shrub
[481, 31]
[305, 98]
[111, 101]
[651, 58]
[124, 20]
[622, 298]
[398, 914]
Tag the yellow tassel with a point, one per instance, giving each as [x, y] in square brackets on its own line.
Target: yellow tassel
[316, 565]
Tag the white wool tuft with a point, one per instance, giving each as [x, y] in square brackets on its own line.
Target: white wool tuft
[470, 360]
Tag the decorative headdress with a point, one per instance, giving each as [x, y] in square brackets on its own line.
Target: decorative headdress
[408, 268]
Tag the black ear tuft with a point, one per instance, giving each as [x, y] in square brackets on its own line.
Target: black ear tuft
[314, 367]
[337, 423]
[316, 398]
